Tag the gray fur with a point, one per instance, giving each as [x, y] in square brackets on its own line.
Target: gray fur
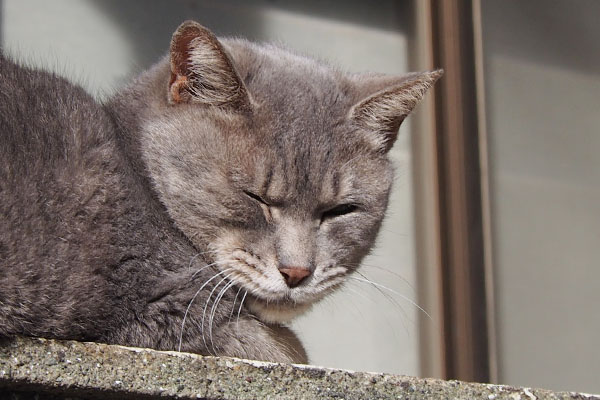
[142, 222]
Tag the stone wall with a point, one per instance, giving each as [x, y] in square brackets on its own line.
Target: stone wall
[48, 369]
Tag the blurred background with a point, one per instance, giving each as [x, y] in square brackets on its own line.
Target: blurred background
[494, 222]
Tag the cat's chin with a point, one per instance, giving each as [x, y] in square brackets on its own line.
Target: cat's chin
[276, 312]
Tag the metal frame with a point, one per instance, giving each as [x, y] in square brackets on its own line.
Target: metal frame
[426, 202]
[460, 232]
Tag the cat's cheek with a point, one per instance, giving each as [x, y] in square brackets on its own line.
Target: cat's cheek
[274, 313]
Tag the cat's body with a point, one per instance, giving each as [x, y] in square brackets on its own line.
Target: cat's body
[222, 193]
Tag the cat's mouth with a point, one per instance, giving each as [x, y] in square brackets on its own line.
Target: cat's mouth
[276, 311]
[290, 306]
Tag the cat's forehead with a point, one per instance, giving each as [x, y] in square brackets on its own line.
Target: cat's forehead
[287, 80]
[298, 100]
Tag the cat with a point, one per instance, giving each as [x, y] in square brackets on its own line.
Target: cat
[219, 195]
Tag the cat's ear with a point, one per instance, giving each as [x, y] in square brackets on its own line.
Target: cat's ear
[201, 70]
[386, 102]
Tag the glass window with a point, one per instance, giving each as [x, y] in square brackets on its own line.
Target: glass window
[542, 71]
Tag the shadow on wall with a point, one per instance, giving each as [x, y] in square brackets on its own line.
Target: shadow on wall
[575, 48]
[1, 19]
[149, 24]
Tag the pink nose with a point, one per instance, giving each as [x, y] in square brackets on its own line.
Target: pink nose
[294, 275]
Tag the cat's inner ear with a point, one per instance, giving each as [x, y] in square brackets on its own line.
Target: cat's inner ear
[387, 103]
[201, 70]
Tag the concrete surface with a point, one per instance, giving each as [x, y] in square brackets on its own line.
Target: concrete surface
[48, 369]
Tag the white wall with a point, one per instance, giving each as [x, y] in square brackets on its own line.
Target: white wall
[542, 66]
[101, 43]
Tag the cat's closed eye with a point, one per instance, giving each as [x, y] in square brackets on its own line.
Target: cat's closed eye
[264, 205]
[338, 211]
[256, 197]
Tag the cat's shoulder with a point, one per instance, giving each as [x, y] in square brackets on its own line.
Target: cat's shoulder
[28, 85]
[44, 112]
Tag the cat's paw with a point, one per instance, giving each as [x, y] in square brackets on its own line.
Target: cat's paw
[251, 339]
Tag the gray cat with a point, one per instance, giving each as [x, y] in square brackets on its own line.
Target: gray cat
[218, 196]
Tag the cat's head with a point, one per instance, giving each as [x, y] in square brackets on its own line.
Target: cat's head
[274, 164]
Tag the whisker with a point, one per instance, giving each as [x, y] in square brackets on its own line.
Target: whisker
[391, 273]
[357, 309]
[359, 293]
[387, 296]
[330, 283]
[207, 251]
[237, 323]
[245, 279]
[397, 233]
[190, 305]
[213, 310]
[394, 302]
[192, 260]
[378, 285]
[196, 256]
[234, 301]
[208, 301]
[203, 268]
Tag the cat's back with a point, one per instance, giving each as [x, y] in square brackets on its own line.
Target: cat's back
[44, 121]
[56, 147]
[61, 180]
[58, 162]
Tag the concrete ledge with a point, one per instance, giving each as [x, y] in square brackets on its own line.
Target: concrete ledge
[48, 369]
